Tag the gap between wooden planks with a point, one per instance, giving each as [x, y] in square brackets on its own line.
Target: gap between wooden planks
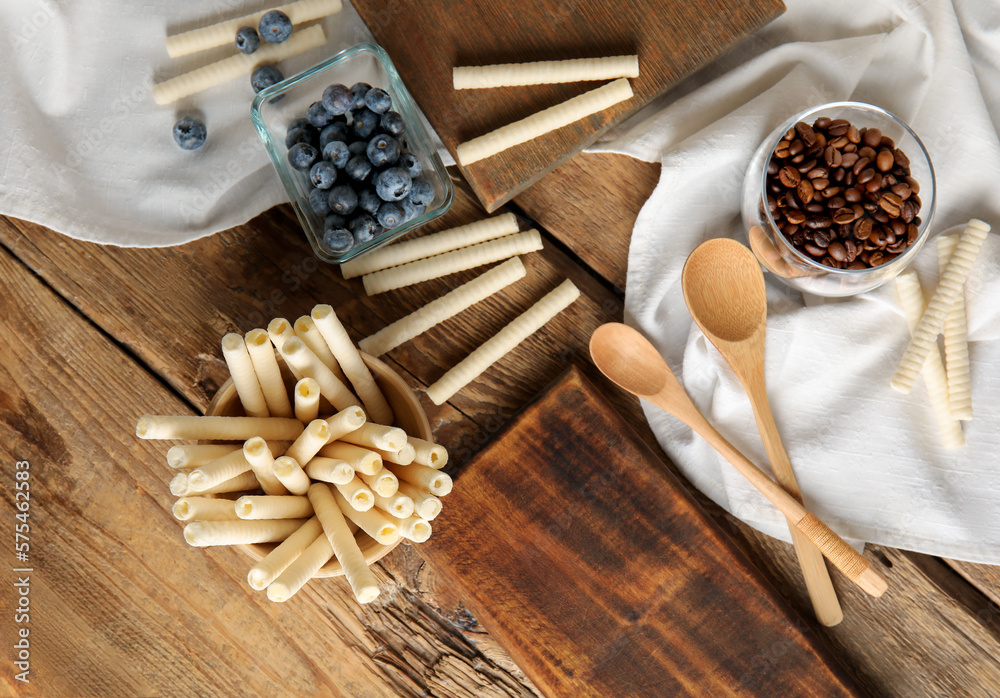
[171, 307]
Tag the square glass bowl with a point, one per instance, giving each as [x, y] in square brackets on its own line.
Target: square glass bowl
[276, 106]
[776, 253]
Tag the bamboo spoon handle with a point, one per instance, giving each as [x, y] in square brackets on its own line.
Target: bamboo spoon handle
[843, 556]
[819, 586]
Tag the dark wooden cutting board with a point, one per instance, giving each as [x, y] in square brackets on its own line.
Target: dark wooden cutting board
[588, 561]
[673, 38]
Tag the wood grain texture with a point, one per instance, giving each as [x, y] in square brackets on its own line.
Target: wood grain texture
[591, 594]
[426, 40]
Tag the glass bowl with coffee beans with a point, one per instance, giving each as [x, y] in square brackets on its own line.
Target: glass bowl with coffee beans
[839, 199]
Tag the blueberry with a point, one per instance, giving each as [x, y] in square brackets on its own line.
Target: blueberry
[190, 133]
[358, 148]
[378, 100]
[337, 153]
[301, 122]
[390, 215]
[393, 184]
[358, 91]
[334, 220]
[392, 123]
[247, 40]
[363, 226]
[338, 241]
[322, 174]
[275, 27]
[298, 135]
[409, 162]
[383, 150]
[265, 76]
[318, 115]
[358, 168]
[337, 131]
[409, 209]
[318, 201]
[365, 123]
[369, 201]
[421, 193]
[302, 156]
[337, 99]
[343, 200]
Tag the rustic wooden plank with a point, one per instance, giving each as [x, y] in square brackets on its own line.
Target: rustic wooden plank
[590, 204]
[121, 605]
[595, 596]
[426, 40]
[986, 578]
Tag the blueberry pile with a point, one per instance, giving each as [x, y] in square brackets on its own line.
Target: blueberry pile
[352, 148]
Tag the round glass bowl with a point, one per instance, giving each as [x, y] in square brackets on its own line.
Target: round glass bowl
[409, 416]
[276, 106]
[797, 269]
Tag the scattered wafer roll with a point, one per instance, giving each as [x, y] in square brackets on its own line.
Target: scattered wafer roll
[397, 505]
[545, 72]
[383, 483]
[403, 456]
[291, 475]
[297, 354]
[544, 121]
[357, 372]
[948, 289]
[499, 345]
[191, 456]
[241, 483]
[357, 494]
[330, 470]
[151, 426]
[223, 33]
[218, 471]
[911, 299]
[280, 331]
[306, 394]
[301, 570]
[305, 329]
[179, 486]
[204, 509]
[429, 479]
[363, 460]
[259, 455]
[415, 528]
[425, 504]
[443, 308]
[380, 436]
[341, 539]
[373, 521]
[236, 65]
[956, 342]
[265, 365]
[276, 561]
[430, 245]
[427, 453]
[234, 351]
[273, 507]
[452, 262]
[310, 441]
[345, 421]
[204, 533]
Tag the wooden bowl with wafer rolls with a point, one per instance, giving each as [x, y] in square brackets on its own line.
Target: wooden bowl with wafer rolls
[408, 415]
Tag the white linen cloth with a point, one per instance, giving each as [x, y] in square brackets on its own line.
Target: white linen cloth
[85, 150]
[868, 459]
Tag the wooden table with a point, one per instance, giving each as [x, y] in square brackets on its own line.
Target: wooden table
[94, 336]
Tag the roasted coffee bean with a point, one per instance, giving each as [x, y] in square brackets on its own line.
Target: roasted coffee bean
[852, 195]
[898, 227]
[902, 190]
[806, 165]
[815, 207]
[821, 238]
[836, 202]
[837, 251]
[849, 159]
[820, 183]
[875, 258]
[782, 150]
[901, 159]
[814, 251]
[867, 152]
[881, 216]
[860, 165]
[865, 175]
[884, 160]
[833, 157]
[789, 176]
[839, 143]
[851, 248]
[796, 147]
[805, 191]
[891, 203]
[872, 137]
[795, 216]
[816, 172]
[843, 216]
[822, 122]
[853, 135]
[908, 211]
[818, 222]
[863, 228]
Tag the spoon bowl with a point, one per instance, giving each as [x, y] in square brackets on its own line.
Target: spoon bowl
[724, 290]
[628, 359]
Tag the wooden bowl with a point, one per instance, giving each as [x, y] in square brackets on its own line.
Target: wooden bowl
[409, 416]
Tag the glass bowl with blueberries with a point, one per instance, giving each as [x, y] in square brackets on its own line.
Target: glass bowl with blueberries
[839, 199]
[352, 152]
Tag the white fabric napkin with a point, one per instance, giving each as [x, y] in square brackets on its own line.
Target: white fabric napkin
[868, 459]
[86, 151]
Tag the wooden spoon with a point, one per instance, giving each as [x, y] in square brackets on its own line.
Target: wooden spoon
[632, 363]
[724, 290]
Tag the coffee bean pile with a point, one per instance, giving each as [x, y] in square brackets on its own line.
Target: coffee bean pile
[843, 196]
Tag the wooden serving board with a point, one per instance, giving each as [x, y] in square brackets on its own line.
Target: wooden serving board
[673, 38]
[574, 546]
